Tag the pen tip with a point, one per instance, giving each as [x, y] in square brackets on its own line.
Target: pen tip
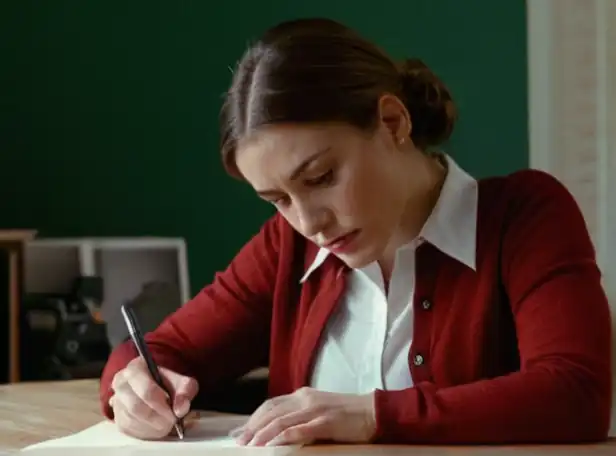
[180, 432]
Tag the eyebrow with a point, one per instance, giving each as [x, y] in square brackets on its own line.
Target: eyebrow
[297, 171]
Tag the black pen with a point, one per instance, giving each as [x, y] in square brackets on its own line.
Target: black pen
[139, 341]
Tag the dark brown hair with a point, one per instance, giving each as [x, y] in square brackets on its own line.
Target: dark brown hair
[317, 70]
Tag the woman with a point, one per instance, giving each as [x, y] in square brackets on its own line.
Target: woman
[398, 299]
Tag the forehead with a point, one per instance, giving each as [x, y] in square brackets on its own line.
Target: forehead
[274, 152]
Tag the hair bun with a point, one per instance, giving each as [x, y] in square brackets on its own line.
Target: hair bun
[431, 107]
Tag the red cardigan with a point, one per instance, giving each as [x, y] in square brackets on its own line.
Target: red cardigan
[516, 351]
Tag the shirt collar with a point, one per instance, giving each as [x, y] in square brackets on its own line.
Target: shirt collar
[319, 259]
[452, 225]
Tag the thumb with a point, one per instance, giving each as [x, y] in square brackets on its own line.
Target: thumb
[184, 391]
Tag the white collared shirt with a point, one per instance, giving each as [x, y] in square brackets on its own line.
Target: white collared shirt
[366, 342]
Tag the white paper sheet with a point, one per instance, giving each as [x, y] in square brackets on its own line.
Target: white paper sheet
[207, 436]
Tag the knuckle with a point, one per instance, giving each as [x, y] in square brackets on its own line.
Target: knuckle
[307, 395]
[134, 406]
[156, 421]
[144, 427]
[118, 380]
[127, 424]
[302, 395]
[278, 425]
[136, 362]
[291, 434]
[166, 422]
[144, 432]
[121, 421]
[194, 385]
[268, 405]
[324, 421]
[183, 382]
[305, 391]
[310, 402]
[146, 390]
[162, 426]
[132, 368]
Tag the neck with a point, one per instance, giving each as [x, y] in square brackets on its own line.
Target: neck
[421, 202]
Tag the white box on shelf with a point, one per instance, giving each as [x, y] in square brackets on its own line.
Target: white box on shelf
[125, 265]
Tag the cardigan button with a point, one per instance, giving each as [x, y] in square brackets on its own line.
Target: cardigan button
[418, 360]
[426, 304]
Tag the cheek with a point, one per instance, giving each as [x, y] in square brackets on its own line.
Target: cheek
[291, 217]
[370, 196]
[357, 197]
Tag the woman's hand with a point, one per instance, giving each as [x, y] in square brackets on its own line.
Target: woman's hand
[141, 408]
[309, 415]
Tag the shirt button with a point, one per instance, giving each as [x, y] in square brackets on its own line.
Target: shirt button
[426, 305]
[418, 360]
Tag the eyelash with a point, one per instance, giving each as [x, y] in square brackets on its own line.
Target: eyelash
[323, 179]
[278, 201]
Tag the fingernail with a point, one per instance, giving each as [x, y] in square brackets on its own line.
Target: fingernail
[236, 432]
[244, 438]
[181, 408]
[274, 442]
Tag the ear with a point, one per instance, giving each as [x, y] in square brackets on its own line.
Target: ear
[394, 116]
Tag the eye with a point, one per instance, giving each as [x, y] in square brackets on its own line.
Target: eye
[280, 202]
[323, 179]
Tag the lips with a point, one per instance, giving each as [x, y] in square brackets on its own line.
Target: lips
[342, 243]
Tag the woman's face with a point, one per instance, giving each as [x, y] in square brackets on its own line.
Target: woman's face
[342, 188]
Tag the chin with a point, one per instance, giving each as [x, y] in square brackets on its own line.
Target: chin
[359, 259]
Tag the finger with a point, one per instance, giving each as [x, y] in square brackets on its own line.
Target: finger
[180, 384]
[184, 391]
[302, 434]
[145, 415]
[118, 380]
[134, 406]
[150, 393]
[238, 431]
[266, 412]
[191, 419]
[279, 425]
[138, 428]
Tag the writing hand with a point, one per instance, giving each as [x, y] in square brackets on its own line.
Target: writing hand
[141, 408]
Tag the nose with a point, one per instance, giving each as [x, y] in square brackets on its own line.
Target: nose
[312, 219]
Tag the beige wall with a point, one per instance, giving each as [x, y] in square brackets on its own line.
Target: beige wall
[572, 113]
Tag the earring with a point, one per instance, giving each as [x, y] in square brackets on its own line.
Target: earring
[401, 141]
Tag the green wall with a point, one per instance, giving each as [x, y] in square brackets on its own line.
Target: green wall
[108, 110]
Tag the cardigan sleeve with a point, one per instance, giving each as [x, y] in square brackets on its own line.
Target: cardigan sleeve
[223, 332]
[562, 392]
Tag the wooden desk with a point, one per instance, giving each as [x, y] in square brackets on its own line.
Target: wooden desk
[13, 242]
[33, 412]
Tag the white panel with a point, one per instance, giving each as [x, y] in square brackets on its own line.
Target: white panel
[125, 272]
[572, 112]
[576, 104]
[607, 97]
[125, 264]
[540, 84]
